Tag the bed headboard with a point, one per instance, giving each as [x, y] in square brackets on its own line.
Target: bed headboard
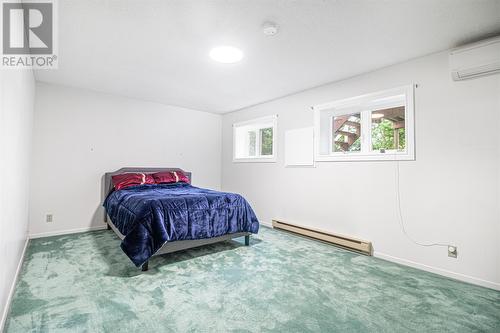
[108, 184]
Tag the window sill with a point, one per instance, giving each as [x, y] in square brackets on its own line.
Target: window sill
[365, 157]
[255, 160]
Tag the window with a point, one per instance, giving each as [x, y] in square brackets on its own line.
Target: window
[377, 126]
[254, 140]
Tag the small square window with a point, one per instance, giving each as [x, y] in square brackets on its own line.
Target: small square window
[254, 140]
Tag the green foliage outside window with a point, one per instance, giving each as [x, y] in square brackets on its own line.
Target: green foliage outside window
[266, 135]
[383, 136]
[356, 146]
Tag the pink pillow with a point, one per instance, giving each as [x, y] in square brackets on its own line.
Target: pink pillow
[125, 180]
[167, 177]
[181, 176]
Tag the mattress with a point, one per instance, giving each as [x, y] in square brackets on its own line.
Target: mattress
[151, 215]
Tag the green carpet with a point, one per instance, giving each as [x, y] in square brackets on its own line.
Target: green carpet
[281, 283]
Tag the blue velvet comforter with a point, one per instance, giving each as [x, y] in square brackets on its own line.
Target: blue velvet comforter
[151, 215]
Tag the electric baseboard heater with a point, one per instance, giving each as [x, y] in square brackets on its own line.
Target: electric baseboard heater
[349, 243]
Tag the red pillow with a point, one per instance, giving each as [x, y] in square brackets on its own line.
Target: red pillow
[164, 177]
[125, 180]
[170, 177]
[181, 176]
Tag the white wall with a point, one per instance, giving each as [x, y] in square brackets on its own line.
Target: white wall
[16, 119]
[450, 193]
[79, 135]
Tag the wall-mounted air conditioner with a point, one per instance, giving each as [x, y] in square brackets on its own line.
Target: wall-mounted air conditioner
[477, 59]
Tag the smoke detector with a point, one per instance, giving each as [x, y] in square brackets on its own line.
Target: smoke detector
[269, 28]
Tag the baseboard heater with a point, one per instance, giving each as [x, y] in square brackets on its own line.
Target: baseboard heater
[349, 243]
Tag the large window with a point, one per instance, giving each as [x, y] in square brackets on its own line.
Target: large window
[254, 140]
[376, 126]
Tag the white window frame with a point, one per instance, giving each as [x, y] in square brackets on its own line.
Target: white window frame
[258, 157]
[364, 104]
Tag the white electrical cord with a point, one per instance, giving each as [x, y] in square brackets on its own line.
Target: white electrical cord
[400, 214]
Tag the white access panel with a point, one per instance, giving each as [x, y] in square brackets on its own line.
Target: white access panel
[299, 147]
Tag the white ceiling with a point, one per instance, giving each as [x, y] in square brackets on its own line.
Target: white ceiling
[158, 50]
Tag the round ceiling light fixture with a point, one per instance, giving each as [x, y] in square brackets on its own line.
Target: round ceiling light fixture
[226, 54]
[269, 28]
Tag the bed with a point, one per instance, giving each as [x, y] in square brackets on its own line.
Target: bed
[155, 219]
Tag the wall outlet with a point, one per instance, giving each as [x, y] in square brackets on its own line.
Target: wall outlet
[48, 218]
[452, 251]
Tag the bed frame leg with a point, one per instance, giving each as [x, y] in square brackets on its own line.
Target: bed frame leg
[247, 240]
[145, 266]
[108, 226]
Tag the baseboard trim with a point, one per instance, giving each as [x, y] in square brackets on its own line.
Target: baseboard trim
[66, 232]
[75, 231]
[439, 271]
[79, 230]
[6, 309]
[266, 224]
